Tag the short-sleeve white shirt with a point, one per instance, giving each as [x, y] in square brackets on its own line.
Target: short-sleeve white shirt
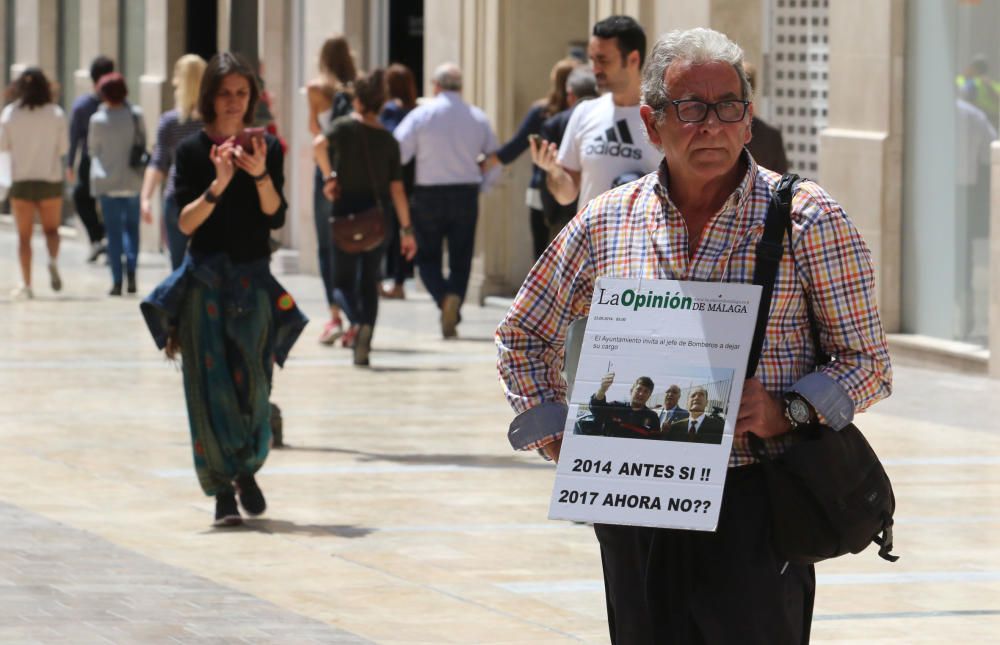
[604, 141]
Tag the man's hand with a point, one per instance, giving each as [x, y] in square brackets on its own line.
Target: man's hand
[761, 413]
[489, 162]
[544, 154]
[70, 176]
[551, 450]
[606, 382]
[408, 246]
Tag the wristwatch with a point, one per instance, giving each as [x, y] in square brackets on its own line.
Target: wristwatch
[406, 230]
[798, 410]
[210, 197]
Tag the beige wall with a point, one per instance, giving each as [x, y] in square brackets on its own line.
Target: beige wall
[98, 35]
[994, 259]
[861, 150]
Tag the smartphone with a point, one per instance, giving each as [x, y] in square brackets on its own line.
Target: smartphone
[243, 139]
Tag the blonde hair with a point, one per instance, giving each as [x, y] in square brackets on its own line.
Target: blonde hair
[187, 80]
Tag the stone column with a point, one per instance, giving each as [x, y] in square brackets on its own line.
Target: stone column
[37, 23]
[3, 39]
[98, 35]
[165, 31]
[861, 150]
[276, 59]
[994, 277]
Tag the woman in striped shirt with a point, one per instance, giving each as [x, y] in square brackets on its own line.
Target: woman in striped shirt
[175, 126]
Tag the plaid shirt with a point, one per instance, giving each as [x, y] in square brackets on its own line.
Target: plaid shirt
[635, 231]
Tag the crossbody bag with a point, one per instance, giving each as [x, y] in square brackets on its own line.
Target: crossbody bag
[829, 494]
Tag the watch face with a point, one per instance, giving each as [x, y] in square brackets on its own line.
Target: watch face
[799, 411]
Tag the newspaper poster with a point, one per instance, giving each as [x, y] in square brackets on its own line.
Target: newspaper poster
[654, 403]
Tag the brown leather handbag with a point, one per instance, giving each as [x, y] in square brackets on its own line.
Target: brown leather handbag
[365, 230]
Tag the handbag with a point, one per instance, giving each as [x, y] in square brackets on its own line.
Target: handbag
[829, 494]
[138, 156]
[365, 230]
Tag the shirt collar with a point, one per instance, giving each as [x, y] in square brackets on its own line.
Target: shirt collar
[740, 195]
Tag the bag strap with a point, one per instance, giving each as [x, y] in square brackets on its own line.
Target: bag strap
[770, 248]
[137, 138]
[368, 163]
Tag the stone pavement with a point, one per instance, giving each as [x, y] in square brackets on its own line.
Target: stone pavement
[398, 514]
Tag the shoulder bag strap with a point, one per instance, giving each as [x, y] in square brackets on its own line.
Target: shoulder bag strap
[368, 162]
[770, 248]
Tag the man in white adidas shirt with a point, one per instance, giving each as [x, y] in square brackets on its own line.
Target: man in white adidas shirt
[605, 143]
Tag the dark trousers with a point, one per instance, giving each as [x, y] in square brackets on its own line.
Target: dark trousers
[355, 284]
[84, 202]
[176, 241]
[539, 231]
[396, 266]
[443, 213]
[322, 208]
[356, 275]
[667, 586]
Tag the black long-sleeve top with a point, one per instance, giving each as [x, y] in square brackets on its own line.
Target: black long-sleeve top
[518, 143]
[237, 226]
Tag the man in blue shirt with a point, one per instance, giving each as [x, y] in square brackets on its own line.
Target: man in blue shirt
[84, 108]
[447, 136]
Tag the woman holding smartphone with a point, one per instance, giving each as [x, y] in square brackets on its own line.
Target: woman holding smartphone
[366, 161]
[222, 309]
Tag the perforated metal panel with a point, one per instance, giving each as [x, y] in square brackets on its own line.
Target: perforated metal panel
[797, 78]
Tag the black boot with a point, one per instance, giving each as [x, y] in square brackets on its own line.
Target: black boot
[116, 289]
[226, 512]
[131, 282]
[251, 497]
[363, 345]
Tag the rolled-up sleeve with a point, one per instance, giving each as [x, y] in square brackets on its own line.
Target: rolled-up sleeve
[532, 334]
[840, 275]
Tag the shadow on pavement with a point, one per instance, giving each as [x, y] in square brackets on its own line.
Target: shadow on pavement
[468, 461]
[318, 530]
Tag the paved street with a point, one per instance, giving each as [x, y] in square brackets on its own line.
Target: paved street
[398, 513]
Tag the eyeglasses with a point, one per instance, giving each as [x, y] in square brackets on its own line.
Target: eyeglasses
[695, 111]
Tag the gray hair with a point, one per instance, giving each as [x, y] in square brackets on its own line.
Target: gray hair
[582, 82]
[448, 77]
[698, 388]
[698, 46]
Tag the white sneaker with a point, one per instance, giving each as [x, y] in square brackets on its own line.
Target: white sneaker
[54, 278]
[22, 293]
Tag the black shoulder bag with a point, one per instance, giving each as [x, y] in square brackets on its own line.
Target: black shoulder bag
[829, 494]
[138, 156]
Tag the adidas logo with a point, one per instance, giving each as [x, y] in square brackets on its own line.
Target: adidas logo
[616, 141]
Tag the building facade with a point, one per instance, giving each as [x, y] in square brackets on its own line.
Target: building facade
[887, 103]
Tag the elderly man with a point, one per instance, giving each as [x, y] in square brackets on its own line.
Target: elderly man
[699, 217]
[671, 410]
[698, 427]
[447, 136]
